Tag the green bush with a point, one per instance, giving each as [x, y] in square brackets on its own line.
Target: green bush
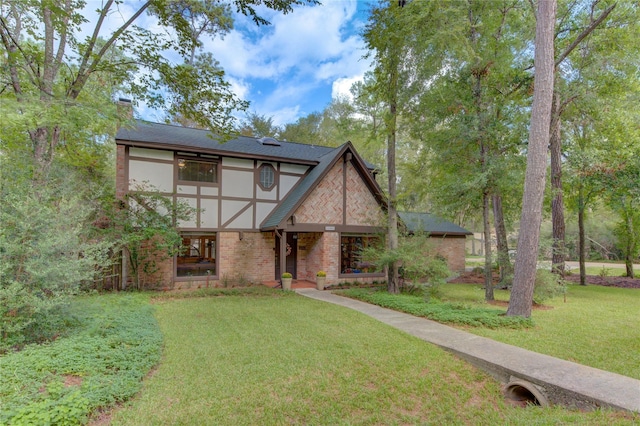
[46, 252]
[439, 311]
[99, 362]
[547, 285]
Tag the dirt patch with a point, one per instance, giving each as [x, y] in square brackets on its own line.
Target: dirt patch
[621, 282]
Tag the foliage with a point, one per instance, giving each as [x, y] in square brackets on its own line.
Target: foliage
[97, 363]
[321, 274]
[451, 313]
[287, 275]
[46, 252]
[547, 285]
[146, 227]
[60, 82]
[420, 265]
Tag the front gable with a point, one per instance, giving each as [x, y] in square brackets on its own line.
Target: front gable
[338, 194]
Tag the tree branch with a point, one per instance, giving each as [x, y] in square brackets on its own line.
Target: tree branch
[84, 71]
[585, 33]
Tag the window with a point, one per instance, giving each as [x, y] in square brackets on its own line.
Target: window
[350, 258]
[198, 256]
[267, 176]
[197, 171]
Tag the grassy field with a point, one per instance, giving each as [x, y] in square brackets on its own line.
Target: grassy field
[291, 360]
[596, 326]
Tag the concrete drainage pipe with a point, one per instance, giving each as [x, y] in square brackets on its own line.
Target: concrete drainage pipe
[523, 392]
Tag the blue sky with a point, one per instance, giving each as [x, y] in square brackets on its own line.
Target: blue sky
[286, 70]
[296, 65]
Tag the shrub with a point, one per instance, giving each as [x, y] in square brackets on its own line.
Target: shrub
[113, 345]
[287, 275]
[453, 313]
[421, 268]
[46, 252]
[321, 274]
[547, 286]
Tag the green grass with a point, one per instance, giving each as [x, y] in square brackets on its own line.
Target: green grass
[597, 326]
[99, 362]
[448, 312]
[291, 360]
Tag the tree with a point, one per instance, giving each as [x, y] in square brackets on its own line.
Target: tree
[258, 126]
[46, 253]
[383, 36]
[145, 228]
[521, 298]
[570, 24]
[48, 67]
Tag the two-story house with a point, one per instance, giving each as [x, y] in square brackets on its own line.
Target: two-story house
[264, 206]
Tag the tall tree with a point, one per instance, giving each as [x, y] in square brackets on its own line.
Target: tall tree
[384, 36]
[521, 299]
[48, 66]
[574, 26]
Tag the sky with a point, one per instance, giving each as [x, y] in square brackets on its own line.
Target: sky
[295, 66]
[286, 70]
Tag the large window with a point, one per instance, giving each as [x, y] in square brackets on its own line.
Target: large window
[197, 171]
[198, 256]
[350, 254]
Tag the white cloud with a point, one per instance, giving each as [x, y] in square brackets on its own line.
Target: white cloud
[299, 53]
[341, 87]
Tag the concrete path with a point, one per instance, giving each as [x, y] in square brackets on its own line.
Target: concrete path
[554, 380]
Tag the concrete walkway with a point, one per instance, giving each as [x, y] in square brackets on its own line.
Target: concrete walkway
[545, 378]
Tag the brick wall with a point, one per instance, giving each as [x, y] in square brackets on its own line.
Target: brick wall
[452, 249]
[121, 176]
[324, 204]
[251, 259]
[310, 255]
[362, 207]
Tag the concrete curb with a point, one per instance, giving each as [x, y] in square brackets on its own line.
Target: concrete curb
[560, 382]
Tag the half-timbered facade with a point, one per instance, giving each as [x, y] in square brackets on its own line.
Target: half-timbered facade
[263, 206]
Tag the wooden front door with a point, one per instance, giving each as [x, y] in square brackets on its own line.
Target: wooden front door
[292, 254]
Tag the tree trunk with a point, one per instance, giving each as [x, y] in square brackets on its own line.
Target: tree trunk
[504, 263]
[631, 242]
[557, 203]
[44, 141]
[392, 286]
[581, 237]
[488, 272]
[521, 299]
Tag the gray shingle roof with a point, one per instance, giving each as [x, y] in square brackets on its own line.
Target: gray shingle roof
[185, 138]
[430, 223]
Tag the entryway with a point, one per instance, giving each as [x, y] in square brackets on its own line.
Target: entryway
[292, 255]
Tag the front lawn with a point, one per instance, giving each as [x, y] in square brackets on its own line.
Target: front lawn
[101, 360]
[596, 326]
[286, 359]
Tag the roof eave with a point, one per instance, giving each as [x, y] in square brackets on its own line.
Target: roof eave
[222, 153]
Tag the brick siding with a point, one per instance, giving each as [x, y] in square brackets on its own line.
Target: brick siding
[324, 204]
[452, 249]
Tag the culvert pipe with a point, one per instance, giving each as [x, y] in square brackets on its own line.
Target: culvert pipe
[522, 391]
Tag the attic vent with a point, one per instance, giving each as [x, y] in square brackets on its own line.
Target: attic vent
[268, 141]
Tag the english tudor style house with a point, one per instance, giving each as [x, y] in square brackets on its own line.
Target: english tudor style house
[263, 206]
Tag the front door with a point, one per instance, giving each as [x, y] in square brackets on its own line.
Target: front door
[292, 254]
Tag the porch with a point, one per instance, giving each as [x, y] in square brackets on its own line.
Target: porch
[295, 284]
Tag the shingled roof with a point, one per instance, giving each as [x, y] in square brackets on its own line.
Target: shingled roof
[434, 225]
[147, 134]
